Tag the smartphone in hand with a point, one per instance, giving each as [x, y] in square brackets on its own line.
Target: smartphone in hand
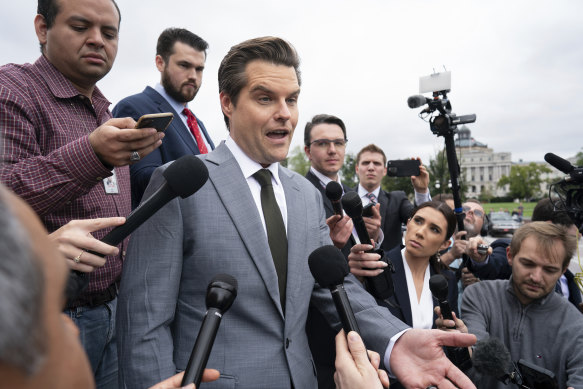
[159, 121]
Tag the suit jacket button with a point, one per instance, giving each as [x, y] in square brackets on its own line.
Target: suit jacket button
[287, 342]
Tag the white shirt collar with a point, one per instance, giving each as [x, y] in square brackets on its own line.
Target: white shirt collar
[363, 192]
[247, 165]
[176, 105]
[324, 179]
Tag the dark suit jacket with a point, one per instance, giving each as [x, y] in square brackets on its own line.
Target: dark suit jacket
[320, 334]
[177, 142]
[401, 308]
[395, 210]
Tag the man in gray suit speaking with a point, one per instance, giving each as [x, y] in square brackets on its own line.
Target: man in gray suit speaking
[258, 222]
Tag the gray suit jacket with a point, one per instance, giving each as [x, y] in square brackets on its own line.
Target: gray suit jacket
[174, 255]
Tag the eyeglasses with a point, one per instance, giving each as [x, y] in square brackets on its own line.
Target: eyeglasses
[325, 143]
[476, 212]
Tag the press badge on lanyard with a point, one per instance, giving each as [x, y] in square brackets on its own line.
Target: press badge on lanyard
[110, 184]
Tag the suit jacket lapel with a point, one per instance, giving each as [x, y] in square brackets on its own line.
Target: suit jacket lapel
[384, 201]
[177, 123]
[318, 184]
[401, 290]
[296, 237]
[234, 193]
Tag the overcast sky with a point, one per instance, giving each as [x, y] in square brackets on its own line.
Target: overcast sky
[518, 65]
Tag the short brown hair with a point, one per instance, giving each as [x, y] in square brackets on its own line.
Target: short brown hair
[271, 49]
[546, 234]
[372, 148]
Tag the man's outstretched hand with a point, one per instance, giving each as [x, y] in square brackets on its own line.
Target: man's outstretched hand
[418, 360]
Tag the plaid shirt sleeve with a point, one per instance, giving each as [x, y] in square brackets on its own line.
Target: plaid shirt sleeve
[42, 163]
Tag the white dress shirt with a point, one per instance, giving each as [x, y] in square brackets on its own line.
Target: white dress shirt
[250, 167]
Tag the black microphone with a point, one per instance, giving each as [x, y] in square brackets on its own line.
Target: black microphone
[329, 268]
[491, 357]
[183, 178]
[220, 294]
[334, 194]
[417, 101]
[353, 207]
[439, 288]
[380, 286]
[459, 356]
[559, 163]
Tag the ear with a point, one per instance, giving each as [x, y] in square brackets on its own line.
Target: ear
[509, 256]
[307, 151]
[227, 105]
[445, 245]
[160, 64]
[40, 27]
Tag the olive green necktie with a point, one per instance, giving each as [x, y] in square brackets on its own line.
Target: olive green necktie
[276, 236]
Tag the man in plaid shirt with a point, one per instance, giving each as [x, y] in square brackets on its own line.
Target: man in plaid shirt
[66, 156]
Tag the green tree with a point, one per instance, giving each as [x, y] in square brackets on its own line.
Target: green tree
[579, 156]
[348, 171]
[439, 177]
[297, 161]
[390, 184]
[524, 180]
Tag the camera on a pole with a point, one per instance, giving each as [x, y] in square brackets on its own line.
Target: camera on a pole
[441, 120]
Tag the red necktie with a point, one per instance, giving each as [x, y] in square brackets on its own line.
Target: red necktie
[193, 126]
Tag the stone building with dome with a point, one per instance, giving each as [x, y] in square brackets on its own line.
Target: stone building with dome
[481, 167]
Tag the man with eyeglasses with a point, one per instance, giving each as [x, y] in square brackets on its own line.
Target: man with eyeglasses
[325, 145]
[473, 229]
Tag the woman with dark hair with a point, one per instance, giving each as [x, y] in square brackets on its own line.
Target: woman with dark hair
[428, 231]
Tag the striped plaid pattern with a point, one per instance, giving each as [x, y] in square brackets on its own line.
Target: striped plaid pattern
[47, 158]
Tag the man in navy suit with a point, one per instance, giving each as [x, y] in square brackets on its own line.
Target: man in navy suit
[180, 58]
[395, 207]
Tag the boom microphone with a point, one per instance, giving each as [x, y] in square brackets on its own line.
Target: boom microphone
[329, 268]
[380, 286]
[334, 194]
[221, 293]
[183, 177]
[459, 356]
[559, 163]
[417, 101]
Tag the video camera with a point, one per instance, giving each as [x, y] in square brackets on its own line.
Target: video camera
[445, 121]
[567, 194]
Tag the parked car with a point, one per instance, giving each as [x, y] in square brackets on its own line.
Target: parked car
[502, 223]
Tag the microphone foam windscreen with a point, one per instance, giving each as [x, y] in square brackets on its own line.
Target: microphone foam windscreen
[221, 292]
[352, 204]
[328, 266]
[416, 101]
[438, 286]
[224, 279]
[491, 357]
[558, 162]
[334, 191]
[186, 175]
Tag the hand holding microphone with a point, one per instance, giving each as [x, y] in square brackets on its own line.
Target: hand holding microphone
[381, 285]
[460, 356]
[183, 177]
